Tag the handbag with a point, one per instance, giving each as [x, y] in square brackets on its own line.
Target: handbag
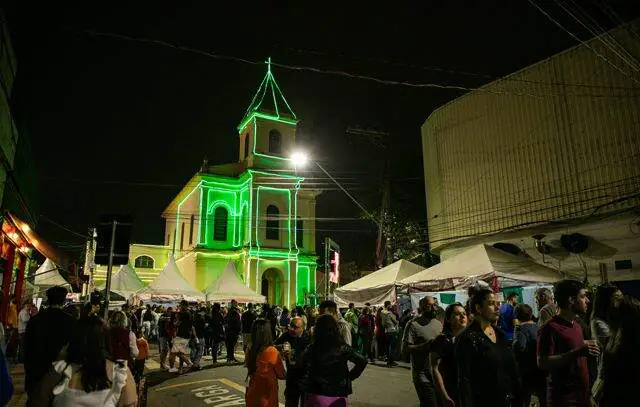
[42, 393]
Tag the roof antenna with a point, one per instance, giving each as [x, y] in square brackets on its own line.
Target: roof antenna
[269, 65]
[205, 165]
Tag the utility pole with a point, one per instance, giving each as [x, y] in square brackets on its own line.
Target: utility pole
[109, 268]
[379, 140]
[89, 259]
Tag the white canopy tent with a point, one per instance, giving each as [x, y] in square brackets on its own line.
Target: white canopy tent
[377, 287]
[125, 282]
[169, 286]
[229, 287]
[48, 275]
[481, 262]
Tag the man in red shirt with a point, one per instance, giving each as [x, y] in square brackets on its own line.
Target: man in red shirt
[562, 350]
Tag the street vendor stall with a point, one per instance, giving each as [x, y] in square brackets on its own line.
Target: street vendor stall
[170, 286]
[125, 282]
[498, 269]
[229, 287]
[481, 262]
[377, 287]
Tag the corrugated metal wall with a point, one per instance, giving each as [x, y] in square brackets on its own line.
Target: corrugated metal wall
[557, 140]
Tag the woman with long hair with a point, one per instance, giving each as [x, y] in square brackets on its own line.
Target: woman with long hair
[620, 378]
[264, 367]
[326, 378]
[122, 342]
[441, 355]
[606, 298]
[89, 378]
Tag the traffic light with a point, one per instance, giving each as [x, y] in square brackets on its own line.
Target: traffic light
[123, 225]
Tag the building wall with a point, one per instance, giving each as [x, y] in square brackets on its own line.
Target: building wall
[558, 140]
[160, 255]
[8, 130]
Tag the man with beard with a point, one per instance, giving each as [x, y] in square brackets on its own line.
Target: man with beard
[487, 373]
[419, 334]
[298, 339]
[562, 350]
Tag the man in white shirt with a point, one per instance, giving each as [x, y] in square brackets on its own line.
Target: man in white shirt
[23, 319]
[331, 308]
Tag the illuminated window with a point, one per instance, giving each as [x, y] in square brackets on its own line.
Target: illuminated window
[220, 217]
[299, 233]
[246, 146]
[275, 142]
[273, 223]
[144, 262]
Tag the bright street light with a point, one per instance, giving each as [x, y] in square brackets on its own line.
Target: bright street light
[299, 159]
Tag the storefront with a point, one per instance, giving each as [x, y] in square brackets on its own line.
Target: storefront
[18, 243]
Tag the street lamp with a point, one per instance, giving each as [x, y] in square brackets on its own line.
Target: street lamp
[299, 159]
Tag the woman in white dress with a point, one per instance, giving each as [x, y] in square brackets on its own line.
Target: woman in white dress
[88, 377]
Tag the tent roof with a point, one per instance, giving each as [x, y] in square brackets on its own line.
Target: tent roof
[229, 287]
[48, 275]
[388, 275]
[484, 261]
[125, 282]
[170, 282]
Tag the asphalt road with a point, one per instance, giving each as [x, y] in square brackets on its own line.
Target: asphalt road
[223, 386]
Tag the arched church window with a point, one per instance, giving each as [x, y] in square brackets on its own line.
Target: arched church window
[246, 146]
[220, 217]
[144, 262]
[275, 142]
[273, 223]
[299, 233]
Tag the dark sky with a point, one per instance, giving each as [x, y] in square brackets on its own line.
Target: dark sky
[119, 126]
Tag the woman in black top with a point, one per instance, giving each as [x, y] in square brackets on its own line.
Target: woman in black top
[487, 373]
[326, 378]
[441, 357]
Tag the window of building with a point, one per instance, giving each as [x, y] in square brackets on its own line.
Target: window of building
[220, 217]
[246, 146]
[299, 233]
[191, 230]
[273, 223]
[275, 140]
[144, 262]
[182, 237]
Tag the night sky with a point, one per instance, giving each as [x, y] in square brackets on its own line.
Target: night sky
[119, 126]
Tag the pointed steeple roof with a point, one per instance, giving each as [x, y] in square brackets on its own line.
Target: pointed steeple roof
[269, 101]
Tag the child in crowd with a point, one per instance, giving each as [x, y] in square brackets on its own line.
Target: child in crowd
[143, 353]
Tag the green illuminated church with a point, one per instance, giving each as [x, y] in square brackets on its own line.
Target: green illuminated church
[255, 212]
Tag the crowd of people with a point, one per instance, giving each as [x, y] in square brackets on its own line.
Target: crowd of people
[480, 353]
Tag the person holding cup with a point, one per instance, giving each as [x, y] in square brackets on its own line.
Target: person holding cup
[562, 350]
[293, 343]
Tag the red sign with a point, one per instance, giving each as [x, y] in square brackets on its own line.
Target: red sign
[334, 275]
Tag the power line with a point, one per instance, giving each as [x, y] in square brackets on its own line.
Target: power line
[338, 73]
[556, 22]
[601, 36]
[51, 221]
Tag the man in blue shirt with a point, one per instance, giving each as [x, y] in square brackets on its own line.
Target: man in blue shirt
[508, 316]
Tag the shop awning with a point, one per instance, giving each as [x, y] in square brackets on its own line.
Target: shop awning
[23, 235]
